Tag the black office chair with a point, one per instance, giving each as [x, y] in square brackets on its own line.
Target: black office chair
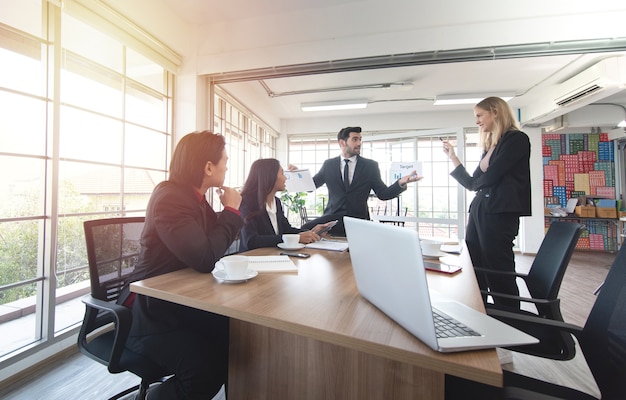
[112, 251]
[602, 341]
[543, 282]
[304, 218]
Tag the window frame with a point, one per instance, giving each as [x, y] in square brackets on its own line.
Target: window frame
[43, 307]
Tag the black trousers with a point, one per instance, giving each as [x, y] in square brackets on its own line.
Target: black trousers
[196, 353]
[489, 239]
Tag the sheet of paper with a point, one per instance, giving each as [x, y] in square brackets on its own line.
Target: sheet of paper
[328, 245]
[299, 180]
[271, 264]
[400, 169]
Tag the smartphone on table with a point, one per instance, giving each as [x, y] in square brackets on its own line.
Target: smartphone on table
[294, 254]
[442, 267]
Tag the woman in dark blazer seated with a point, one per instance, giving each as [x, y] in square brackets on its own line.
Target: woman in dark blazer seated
[502, 185]
[182, 231]
[262, 212]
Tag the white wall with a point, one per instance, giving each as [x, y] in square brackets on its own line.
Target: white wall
[532, 228]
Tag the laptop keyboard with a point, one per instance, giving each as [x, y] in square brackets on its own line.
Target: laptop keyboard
[447, 327]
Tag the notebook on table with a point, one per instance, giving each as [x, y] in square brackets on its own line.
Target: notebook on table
[271, 264]
[325, 244]
[389, 271]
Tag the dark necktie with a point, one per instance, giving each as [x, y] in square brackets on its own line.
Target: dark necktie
[346, 174]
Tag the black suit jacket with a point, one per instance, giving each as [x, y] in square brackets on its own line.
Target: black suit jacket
[353, 201]
[258, 231]
[505, 186]
[179, 232]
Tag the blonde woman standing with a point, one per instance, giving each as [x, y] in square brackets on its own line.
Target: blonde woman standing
[502, 185]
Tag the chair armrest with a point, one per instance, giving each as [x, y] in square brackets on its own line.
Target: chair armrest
[122, 320]
[496, 272]
[532, 320]
[520, 298]
[118, 310]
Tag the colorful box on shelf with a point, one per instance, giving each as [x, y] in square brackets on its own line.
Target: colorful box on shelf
[606, 203]
[606, 208]
[606, 212]
[585, 211]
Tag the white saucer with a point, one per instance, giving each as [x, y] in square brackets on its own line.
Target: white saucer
[440, 254]
[221, 275]
[297, 247]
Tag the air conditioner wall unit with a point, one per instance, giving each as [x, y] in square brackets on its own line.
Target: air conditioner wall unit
[593, 84]
[605, 73]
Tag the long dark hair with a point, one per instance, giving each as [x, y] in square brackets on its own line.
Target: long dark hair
[192, 153]
[260, 183]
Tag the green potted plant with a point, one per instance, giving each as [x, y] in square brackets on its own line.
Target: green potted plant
[293, 201]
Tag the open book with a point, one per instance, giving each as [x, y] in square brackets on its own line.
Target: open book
[271, 264]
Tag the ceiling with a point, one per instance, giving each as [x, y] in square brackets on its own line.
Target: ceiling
[527, 74]
[413, 89]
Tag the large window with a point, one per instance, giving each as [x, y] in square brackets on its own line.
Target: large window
[85, 133]
[247, 140]
[434, 202]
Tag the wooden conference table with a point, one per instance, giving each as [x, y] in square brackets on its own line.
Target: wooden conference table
[310, 335]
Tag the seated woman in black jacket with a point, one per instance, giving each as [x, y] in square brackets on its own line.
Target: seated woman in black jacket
[262, 212]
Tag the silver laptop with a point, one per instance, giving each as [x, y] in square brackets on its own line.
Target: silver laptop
[389, 272]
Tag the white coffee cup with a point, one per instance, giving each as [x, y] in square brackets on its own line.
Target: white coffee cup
[430, 247]
[291, 239]
[235, 267]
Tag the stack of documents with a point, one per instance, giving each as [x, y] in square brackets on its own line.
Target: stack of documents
[324, 244]
[271, 264]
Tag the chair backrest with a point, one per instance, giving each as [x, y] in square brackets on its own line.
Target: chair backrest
[603, 340]
[304, 218]
[112, 252]
[547, 270]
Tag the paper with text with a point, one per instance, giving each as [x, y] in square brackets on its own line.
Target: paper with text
[400, 169]
[299, 180]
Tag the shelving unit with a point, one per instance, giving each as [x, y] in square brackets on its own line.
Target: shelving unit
[622, 231]
[579, 165]
[600, 234]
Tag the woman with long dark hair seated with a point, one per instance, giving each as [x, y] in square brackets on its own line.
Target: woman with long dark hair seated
[183, 231]
[262, 212]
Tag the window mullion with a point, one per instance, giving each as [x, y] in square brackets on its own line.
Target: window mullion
[50, 224]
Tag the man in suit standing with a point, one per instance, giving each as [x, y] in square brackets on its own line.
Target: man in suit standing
[349, 179]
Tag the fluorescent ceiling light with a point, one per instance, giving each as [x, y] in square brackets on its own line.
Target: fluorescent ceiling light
[622, 124]
[446, 100]
[334, 105]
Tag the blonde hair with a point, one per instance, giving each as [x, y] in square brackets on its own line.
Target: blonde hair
[504, 121]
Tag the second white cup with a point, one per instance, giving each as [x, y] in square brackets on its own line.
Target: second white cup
[430, 248]
[291, 239]
[235, 267]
